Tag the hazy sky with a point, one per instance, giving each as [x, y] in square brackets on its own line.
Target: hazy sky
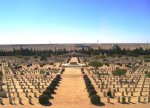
[72, 21]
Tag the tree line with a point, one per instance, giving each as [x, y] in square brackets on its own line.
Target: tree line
[32, 52]
[116, 51]
[113, 51]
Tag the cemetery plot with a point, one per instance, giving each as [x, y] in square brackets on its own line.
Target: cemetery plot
[134, 87]
[48, 83]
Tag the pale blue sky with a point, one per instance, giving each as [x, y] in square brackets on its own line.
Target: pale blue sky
[74, 21]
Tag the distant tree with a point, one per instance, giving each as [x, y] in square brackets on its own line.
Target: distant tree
[116, 49]
[95, 64]
[35, 56]
[119, 72]
[43, 57]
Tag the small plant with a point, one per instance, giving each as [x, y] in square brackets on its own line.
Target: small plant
[95, 64]
[47, 92]
[92, 92]
[88, 84]
[90, 88]
[51, 88]
[147, 75]
[119, 72]
[43, 99]
[95, 99]
[87, 81]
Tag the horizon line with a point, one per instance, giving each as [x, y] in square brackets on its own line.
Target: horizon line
[74, 43]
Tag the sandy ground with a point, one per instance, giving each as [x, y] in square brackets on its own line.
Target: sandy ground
[72, 90]
[73, 59]
[72, 94]
[72, 46]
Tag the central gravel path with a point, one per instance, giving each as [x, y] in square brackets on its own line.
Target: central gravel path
[71, 93]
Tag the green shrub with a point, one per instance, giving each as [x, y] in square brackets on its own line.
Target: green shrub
[87, 81]
[51, 88]
[53, 85]
[55, 80]
[90, 87]
[47, 92]
[88, 84]
[43, 99]
[92, 92]
[95, 99]
[148, 75]
[43, 57]
[119, 72]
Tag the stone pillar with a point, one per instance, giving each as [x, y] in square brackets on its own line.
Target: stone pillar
[42, 86]
[39, 90]
[28, 86]
[108, 99]
[18, 94]
[10, 101]
[35, 95]
[105, 94]
[131, 93]
[30, 100]
[117, 89]
[9, 94]
[16, 90]
[113, 85]
[20, 100]
[148, 98]
[123, 100]
[31, 90]
[101, 90]
[139, 99]
[126, 89]
[26, 94]
[129, 99]
[118, 99]
[1, 100]
[122, 93]
[140, 93]
[113, 94]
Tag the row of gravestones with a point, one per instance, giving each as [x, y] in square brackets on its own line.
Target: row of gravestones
[126, 90]
[24, 86]
[138, 69]
[35, 72]
[106, 86]
[11, 98]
